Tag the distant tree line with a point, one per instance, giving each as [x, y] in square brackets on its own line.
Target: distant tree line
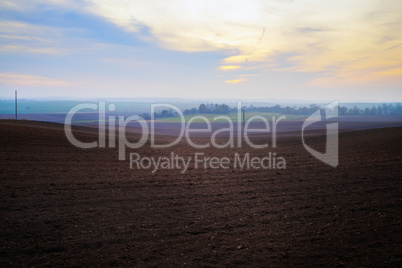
[162, 114]
[383, 109]
[210, 109]
[380, 110]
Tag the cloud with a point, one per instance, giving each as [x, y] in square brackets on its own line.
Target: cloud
[393, 47]
[333, 43]
[236, 59]
[21, 37]
[229, 67]
[17, 37]
[31, 80]
[28, 5]
[28, 49]
[309, 30]
[323, 34]
[187, 25]
[234, 81]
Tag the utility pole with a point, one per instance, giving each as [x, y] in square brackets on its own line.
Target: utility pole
[244, 120]
[16, 114]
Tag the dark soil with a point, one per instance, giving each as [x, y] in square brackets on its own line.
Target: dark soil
[66, 206]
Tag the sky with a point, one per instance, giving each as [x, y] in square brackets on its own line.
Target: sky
[310, 50]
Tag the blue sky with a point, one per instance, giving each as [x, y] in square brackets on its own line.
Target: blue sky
[306, 50]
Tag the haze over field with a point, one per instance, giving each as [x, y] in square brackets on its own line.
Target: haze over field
[307, 50]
